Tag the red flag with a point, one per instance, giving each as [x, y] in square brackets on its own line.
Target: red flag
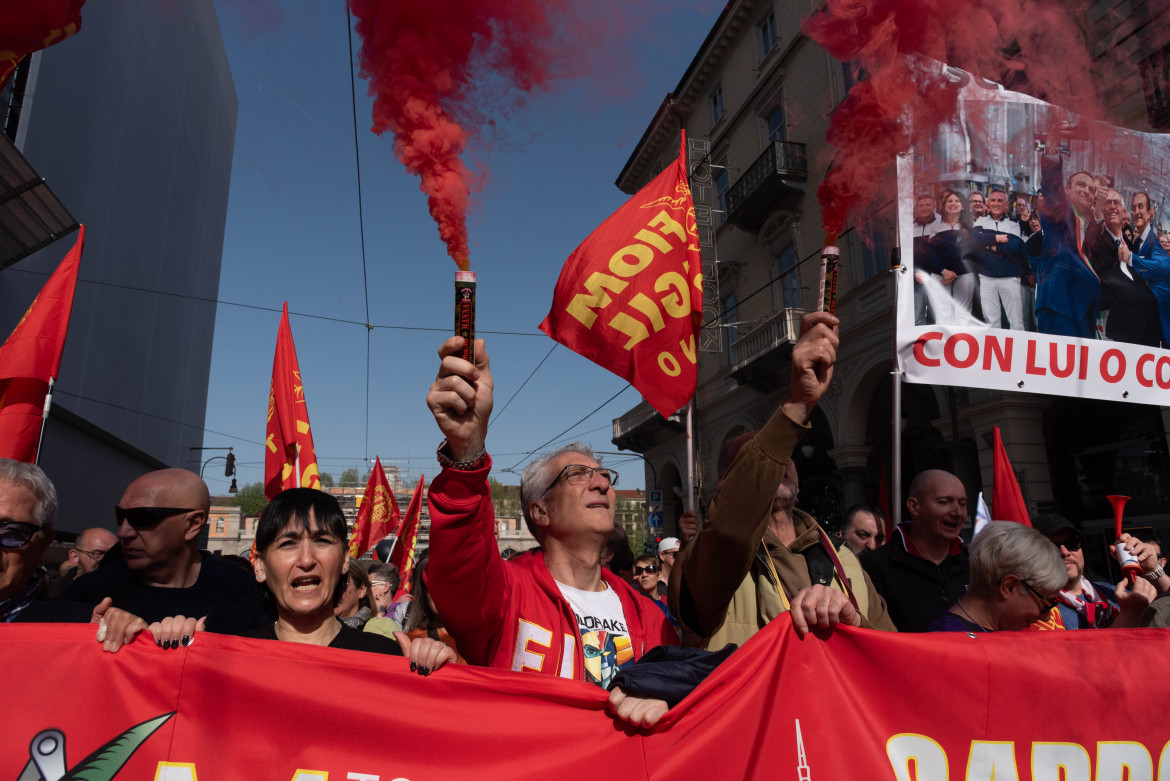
[378, 515]
[32, 357]
[406, 545]
[1007, 503]
[28, 27]
[630, 298]
[289, 458]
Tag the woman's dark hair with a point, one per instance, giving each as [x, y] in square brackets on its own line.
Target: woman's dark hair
[359, 578]
[294, 506]
[964, 216]
[419, 615]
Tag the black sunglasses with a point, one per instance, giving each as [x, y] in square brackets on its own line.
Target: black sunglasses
[648, 568]
[1046, 604]
[15, 534]
[1073, 544]
[141, 518]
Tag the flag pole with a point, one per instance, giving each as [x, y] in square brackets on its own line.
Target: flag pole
[691, 454]
[896, 433]
[44, 419]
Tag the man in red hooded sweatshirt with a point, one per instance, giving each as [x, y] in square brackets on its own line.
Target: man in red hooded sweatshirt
[554, 610]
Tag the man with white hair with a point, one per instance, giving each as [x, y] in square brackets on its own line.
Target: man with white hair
[28, 506]
[554, 610]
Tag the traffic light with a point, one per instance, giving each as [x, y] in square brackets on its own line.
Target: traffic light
[230, 469]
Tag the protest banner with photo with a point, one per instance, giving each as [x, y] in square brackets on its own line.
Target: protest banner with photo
[1062, 286]
[858, 705]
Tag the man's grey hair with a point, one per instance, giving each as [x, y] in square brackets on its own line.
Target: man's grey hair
[33, 478]
[537, 479]
[1007, 548]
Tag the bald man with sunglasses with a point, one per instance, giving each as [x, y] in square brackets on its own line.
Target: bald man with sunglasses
[163, 573]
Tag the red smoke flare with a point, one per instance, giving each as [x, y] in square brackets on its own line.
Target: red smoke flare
[1036, 42]
[425, 60]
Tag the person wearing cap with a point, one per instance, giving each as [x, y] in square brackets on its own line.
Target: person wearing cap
[757, 556]
[667, 555]
[1086, 604]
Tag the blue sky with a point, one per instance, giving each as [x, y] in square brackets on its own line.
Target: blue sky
[293, 234]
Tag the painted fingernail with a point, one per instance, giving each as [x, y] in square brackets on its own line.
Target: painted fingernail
[159, 643]
[413, 666]
[175, 643]
[426, 671]
[186, 640]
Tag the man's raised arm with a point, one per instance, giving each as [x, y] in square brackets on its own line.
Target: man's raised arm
[714, 564]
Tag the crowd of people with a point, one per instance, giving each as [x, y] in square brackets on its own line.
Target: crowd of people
[1075, 260]
[579, 606]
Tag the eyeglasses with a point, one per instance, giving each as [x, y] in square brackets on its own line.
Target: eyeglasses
[96, 555]
[1046, 605]
[671, 553]
[579, 473]
[15, 534]
[379, 583]
[650, 568]
[142, 518]
[1072, 545]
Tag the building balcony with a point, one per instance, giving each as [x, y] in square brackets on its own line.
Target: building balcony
[762, 354]
[642, 428]
[774, 181]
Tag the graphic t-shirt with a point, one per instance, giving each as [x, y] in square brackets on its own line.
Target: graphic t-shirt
[605, 640]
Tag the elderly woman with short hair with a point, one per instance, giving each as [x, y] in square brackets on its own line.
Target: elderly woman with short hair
[1016, 575]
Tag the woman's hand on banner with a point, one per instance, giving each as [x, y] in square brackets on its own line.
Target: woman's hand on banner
[425, 654]
[176, 631]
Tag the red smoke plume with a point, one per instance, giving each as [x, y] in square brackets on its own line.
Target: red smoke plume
[1035, 44]
[425, 60]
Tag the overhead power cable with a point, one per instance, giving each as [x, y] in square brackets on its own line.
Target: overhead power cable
[357, 157]
[539, 447]
[275, 310]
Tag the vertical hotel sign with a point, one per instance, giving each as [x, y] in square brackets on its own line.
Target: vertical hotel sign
[699, 176]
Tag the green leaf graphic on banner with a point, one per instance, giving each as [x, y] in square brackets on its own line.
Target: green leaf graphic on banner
[104, 764]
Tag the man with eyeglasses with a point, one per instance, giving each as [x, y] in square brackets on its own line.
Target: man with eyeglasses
[1086, 604]
[554, 610]
[28, 506]
[163, 574]
[88, 550]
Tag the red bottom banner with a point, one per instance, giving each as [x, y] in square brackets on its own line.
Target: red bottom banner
[853, 705]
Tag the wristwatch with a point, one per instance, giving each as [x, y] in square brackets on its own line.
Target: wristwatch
[1154, 575]
[470, 465]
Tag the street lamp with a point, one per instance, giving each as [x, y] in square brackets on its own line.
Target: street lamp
[229, 469]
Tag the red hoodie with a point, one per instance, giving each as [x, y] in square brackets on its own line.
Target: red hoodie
[510, 615]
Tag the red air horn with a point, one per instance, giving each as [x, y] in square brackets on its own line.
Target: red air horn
[1129, 563]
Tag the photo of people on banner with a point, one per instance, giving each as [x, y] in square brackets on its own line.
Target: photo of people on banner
[1035, 251]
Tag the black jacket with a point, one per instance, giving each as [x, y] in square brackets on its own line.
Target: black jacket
[916, 591]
